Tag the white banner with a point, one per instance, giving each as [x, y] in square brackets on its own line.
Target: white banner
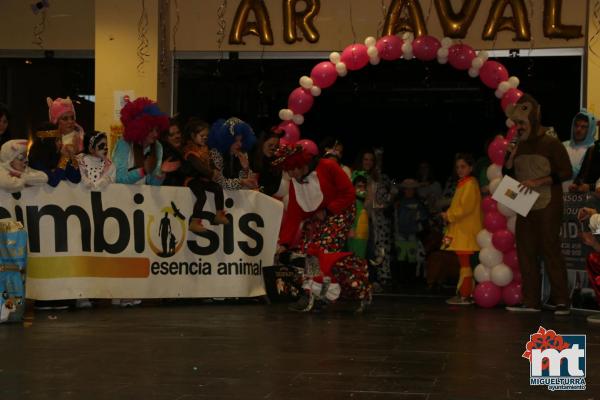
[132, 241]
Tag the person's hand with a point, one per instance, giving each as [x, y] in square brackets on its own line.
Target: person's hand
[169, 165]
[573, 187]
[249, 183]
[149, 163]
[281, 249]
[444, 216]
[243, 160]
[68, 150]
[584, 187]
[585, 213]
[527, 186]
[589, 240]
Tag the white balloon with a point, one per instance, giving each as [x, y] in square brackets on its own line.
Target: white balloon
[498, 93]
[315, 91]
[494, 185]
[501, 275]
[482, 273]
[298, 119]
[306, 82]
[493, 172]
[442, 52]
[408, 36]
[490, 257]
[370, 41]
[374, 60]
[483, 55]
[286, 114]
[484, 239]
[473, 73]
[442, 60]
[446, 42]
[514, 82]
[407, 48]
[372, 52]
[509, 123]
[408, 56]
[335, 57]
[341, 69]
[507, 212]
[477, 63]
[504, 86]
[511, 223]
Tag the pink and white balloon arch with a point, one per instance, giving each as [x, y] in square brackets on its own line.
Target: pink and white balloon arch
[498, 275]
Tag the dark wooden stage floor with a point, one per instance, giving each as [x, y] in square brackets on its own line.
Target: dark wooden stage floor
[402, 348]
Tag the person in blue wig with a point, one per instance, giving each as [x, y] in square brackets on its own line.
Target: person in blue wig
[230, 140]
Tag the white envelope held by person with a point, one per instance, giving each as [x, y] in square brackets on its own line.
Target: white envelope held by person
[509, 195]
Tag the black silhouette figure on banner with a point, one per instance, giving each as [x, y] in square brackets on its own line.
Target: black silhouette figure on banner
[164, 232]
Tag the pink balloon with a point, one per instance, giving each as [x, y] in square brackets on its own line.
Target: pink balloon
[300, 101]
[511, 96]
[494, 222]
[389, 47]
[355, 56]
[460, 56]
[511, 259]
[497, 150]
[283, 143]
[511, 294]
[512, 132]
[291, 131]
[324, 74]
[487, 295]
[503, 240]
[309, 146]
[425, 47]
[492, 73]
[488, 204]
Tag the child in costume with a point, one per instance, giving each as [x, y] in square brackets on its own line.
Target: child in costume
[410, 218]
[358, 238]
[464, 221]
[196, 152]
[47, 154]
[15, 173]
[96, 169]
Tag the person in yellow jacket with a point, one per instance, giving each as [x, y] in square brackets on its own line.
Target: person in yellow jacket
[464, 221]
[359, 234]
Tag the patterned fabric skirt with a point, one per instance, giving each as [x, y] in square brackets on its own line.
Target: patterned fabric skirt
[352, 273]
[329, 235]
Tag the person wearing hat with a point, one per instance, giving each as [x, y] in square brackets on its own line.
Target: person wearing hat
[410, 218]
[138, 154]
[15, 172]
[321, 199]
[62, 114]
[230, 140]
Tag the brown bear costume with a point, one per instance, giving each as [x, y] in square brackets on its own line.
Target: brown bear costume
[539, 162]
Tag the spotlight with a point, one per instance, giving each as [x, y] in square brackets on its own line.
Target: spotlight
[40, 6]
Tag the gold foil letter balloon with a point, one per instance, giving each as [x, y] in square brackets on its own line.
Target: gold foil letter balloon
[303, 20]
[518, 23]
[241, 27]
[456, 25]
[394, 23]
[552, 26]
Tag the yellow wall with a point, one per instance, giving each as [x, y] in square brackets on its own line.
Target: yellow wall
[69, 25]
[593, 64]
[116, 55]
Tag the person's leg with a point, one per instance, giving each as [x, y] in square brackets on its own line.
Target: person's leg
[465, 275]
[527, 234]
[196, 187]
[549, 232]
